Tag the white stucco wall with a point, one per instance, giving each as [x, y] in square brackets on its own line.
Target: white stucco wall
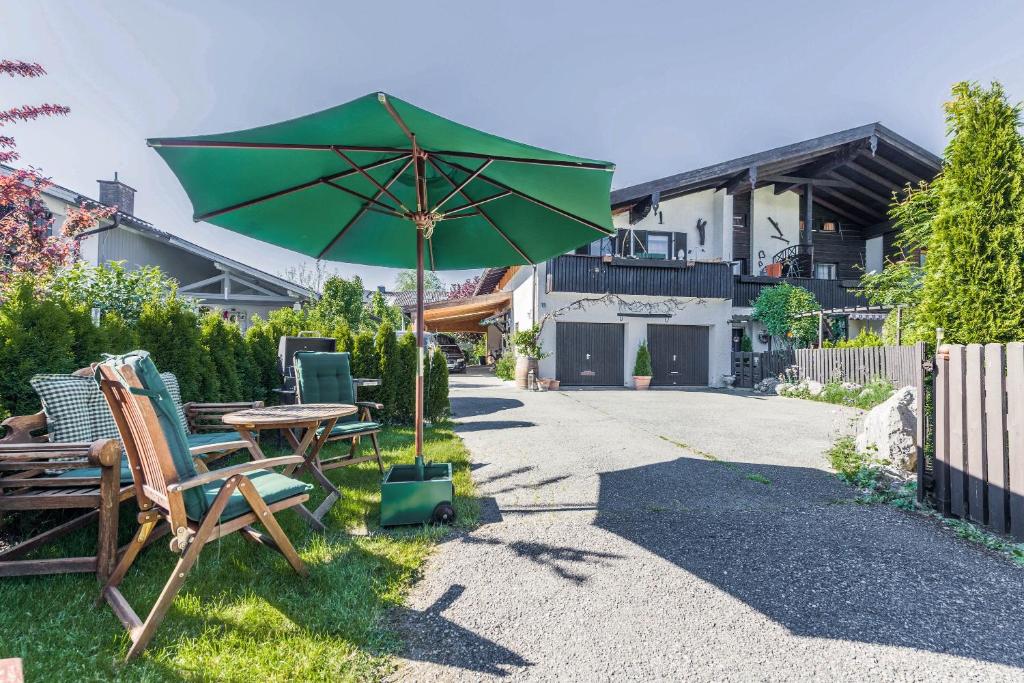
[784, 209]
[522, 288]
[713, 313]
[680, 214]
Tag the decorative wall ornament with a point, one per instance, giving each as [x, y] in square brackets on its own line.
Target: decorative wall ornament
[781, 236]
[659, 308]
[701, 225]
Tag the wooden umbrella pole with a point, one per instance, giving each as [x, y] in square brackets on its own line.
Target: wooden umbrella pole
[421, 227]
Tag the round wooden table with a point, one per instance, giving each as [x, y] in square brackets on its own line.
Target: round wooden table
[300, 424]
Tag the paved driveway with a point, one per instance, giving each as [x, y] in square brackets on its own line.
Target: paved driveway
[693, 535]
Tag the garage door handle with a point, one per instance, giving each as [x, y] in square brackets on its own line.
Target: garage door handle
[673, 358]
[588, 356]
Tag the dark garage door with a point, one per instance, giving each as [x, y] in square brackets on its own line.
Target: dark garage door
[589, 354]
[679, 355]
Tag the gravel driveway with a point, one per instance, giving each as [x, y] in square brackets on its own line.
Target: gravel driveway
[693, 535]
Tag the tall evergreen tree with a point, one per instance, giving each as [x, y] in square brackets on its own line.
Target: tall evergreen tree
[386, 347]
[974, 277]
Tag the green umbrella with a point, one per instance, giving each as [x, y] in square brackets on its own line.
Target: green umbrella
[381, 182]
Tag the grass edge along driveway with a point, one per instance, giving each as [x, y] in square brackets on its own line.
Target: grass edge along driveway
[243, 614]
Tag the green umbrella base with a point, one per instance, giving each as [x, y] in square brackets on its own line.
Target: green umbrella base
[407, 499]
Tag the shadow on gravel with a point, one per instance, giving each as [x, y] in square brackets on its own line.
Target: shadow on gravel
[819, 567]
[468, 406]
[488, 425]
[434, 638]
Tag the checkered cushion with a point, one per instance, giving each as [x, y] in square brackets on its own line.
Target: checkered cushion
[75, 408]
[174, 389]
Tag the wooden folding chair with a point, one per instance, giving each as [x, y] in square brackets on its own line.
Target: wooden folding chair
[198, 506]
[326, 377]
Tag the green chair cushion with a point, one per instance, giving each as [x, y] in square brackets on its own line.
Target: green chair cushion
[353, 428]
[271, 486]
[325, 377]
[126, 472]
[174, 389]
[212, 438]
[196, 502]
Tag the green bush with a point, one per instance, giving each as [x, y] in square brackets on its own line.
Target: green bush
[262, 348]
[170, 332]
[746, 345]
[365, 363]
[34, 337]
[505, 367]
[118, 336]
[222, 342]
[866, 397]
[864, 339]
[642, 365]
[527, 342]
[436, 407]
[386, 346]
[405, 385]
[777, 309]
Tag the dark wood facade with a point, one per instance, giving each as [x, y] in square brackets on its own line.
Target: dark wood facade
[829, 293]
[595, 275]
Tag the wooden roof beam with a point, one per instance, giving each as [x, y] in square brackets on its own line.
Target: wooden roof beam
[845, 213]
[896, 168]
[842, 156]
[857, 204]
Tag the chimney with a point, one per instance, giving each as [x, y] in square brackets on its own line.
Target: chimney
[115, 193]
[380, 288]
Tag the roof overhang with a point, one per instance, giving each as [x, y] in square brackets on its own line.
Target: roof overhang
[852, 173]
[464, 315]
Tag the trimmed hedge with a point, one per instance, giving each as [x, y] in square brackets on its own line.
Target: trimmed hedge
[213, 360]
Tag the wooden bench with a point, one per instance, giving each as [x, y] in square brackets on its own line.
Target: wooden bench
[30, 480]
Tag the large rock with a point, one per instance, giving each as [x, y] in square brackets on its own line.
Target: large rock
[767, 385]
[889, 428]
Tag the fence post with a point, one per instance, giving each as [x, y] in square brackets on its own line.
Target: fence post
[941, 463]
[922, 420]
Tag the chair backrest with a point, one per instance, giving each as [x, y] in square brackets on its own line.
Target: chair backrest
[324, 377]
[153, 438]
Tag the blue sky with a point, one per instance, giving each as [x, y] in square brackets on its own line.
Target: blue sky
[656, 87]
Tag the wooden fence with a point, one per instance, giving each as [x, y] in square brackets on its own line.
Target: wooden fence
[978, 468]
[901, 365]
[750, 367]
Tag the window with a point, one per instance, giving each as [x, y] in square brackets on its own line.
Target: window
[659, 245]
[825, 271]
[739, 266]
[828, 226]
[602, 247]
[739, 220]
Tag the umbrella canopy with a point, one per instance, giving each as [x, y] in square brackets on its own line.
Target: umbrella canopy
[381, 182]
[341, 184]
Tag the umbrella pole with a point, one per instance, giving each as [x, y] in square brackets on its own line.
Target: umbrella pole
[420, 353]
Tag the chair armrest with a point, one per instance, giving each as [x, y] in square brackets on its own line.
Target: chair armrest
[105, 453]
[370, 404]
[24, 428]
[228, 472]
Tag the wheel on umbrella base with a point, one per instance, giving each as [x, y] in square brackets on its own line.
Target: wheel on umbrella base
[444, 513]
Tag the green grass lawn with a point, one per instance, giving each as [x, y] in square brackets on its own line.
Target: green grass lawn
[243, 614]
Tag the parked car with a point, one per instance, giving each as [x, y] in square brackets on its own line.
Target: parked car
[452, 352]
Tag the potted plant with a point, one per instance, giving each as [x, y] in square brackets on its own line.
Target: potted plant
[480, 350]
[528, 354]
[642, 368]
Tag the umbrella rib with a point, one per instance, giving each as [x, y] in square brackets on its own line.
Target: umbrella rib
[592, 165]
[238, 144]
[458, 188]
[369, 200]
[362, 211]
[383, 99]
[482, 213]
[475, 204]
[294, 188]
[522, 195]
[369, 177]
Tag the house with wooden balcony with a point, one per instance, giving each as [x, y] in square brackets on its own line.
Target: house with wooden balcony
[694, 250]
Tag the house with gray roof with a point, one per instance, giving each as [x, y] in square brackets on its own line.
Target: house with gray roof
[238, 290]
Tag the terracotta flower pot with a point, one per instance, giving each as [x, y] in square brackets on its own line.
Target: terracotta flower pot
[641, 383]
[552, 384]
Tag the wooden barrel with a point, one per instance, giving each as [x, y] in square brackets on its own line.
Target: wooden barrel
[523, 366]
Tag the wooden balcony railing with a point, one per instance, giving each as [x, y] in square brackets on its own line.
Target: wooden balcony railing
[829, 293]
[595, 275]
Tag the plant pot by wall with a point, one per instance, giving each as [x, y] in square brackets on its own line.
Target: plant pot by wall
[523, 366]
[553, 384]
[641, 383]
